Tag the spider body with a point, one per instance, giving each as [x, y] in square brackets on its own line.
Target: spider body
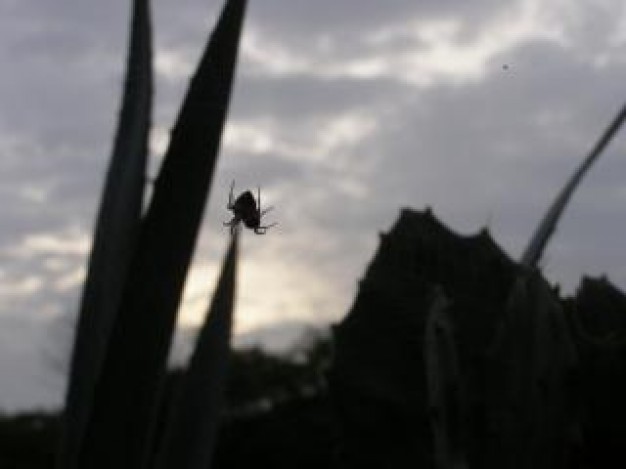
[246, 210]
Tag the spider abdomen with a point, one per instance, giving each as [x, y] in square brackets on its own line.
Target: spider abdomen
[245, 210]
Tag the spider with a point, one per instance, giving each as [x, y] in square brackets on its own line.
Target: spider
[245, 210]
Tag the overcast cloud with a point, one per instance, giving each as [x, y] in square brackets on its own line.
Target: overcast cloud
[344, 111]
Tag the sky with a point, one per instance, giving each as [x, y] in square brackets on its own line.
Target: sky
[343, 112]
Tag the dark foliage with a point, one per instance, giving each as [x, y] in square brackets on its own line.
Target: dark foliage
[378, 373]
[28, 441]
[598, 318]
[531, 378]
[119, 433]
[276, 412]
[192, 424]
[296, 433]
[375, 413]
[115, 234]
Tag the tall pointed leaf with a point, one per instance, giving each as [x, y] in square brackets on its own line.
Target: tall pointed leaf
[529, 381]
[119, 432]
[534, 250]
[445, 387]
[116, 230]
[196, 418]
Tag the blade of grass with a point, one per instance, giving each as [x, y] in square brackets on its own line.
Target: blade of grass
[119, 431]
[116, 230]
[196, 417]
[545, 230]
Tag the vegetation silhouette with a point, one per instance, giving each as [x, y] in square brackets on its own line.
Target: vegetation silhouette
[453, 355]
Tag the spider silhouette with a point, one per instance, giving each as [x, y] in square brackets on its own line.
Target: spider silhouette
[245, 210]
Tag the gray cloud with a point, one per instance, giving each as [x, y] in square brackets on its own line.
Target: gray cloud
[341, 117]
[305, 19]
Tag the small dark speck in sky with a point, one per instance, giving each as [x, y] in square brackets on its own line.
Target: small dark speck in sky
[505, 66]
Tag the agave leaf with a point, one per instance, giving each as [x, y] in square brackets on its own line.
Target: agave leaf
[532, 359]
[116, 230]
[537, 244]
[445, 389]
[119, 432]
[196, 417]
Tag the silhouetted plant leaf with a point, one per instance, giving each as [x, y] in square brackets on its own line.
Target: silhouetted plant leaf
[537, 244]
[120, 429]
[116, 230]
[532, 358]
[197, 414]
[445, 386]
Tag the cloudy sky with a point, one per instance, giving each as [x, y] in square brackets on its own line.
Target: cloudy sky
[343, 111]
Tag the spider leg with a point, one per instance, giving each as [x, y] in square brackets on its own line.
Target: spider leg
[261, 230]
[263, 212]
[229, 206]
[233, 222]
[259, 211]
